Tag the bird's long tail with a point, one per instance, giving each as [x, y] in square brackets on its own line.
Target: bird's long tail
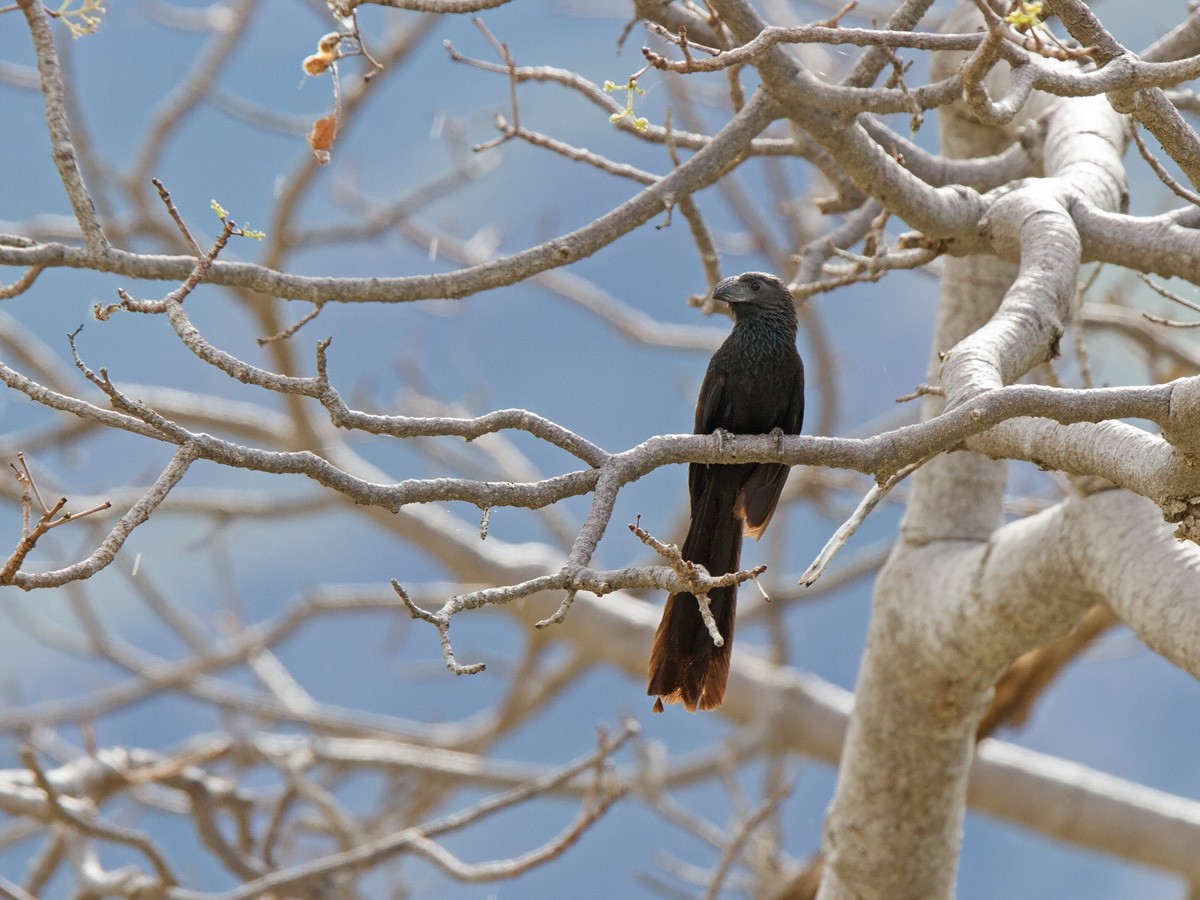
[685, 665]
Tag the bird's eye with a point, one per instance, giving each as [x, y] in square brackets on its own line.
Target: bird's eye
[755, 284]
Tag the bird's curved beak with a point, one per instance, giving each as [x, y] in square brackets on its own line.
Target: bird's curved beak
[727, 290]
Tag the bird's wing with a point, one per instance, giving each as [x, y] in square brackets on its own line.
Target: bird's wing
[712, 405]
[762, 489]
[795, 413]
[756, 503]
[711, 413]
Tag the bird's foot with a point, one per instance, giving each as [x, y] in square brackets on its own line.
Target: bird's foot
[725, 441]
[779, 435]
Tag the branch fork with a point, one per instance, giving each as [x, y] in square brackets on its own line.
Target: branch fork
[31, 532]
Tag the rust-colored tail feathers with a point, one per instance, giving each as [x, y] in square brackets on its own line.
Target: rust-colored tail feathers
[685, 665]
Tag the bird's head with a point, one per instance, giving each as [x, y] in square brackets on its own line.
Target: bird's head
[754, 292]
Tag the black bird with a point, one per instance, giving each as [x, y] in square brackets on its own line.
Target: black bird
[754, 385]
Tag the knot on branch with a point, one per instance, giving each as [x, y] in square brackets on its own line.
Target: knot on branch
[1185, 515]
[1182, 430]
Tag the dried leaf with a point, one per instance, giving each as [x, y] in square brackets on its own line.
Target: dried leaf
[322, 136]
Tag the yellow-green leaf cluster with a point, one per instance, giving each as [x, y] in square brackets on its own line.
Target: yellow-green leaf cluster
[630, 88]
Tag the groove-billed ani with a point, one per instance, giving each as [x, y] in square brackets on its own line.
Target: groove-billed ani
[754, 385]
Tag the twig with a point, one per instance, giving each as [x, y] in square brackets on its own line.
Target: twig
[177, 218]
[766, 597]
[847, 529]
[112, 543]
[1033, 40]
[1173, 297]
[559, 614]
[356, 35]
[1078, 341]
[745, 829]
[575, 154]
[30, 533]
[22, 284]
[64, 155]
[1171, 323]
[701, 236]
[199, 272]
[1160, 170]
[115, 833]
[442, 624]
[293, 328]
[504, 54]
[694, 576]
[922, 390]
[835, 20]
[418, 840]
[8, 888]
[29, 479]
[806, 34]
[705, 606]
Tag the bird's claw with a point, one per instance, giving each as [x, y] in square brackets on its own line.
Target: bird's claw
[779, 435]
[725, 441]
